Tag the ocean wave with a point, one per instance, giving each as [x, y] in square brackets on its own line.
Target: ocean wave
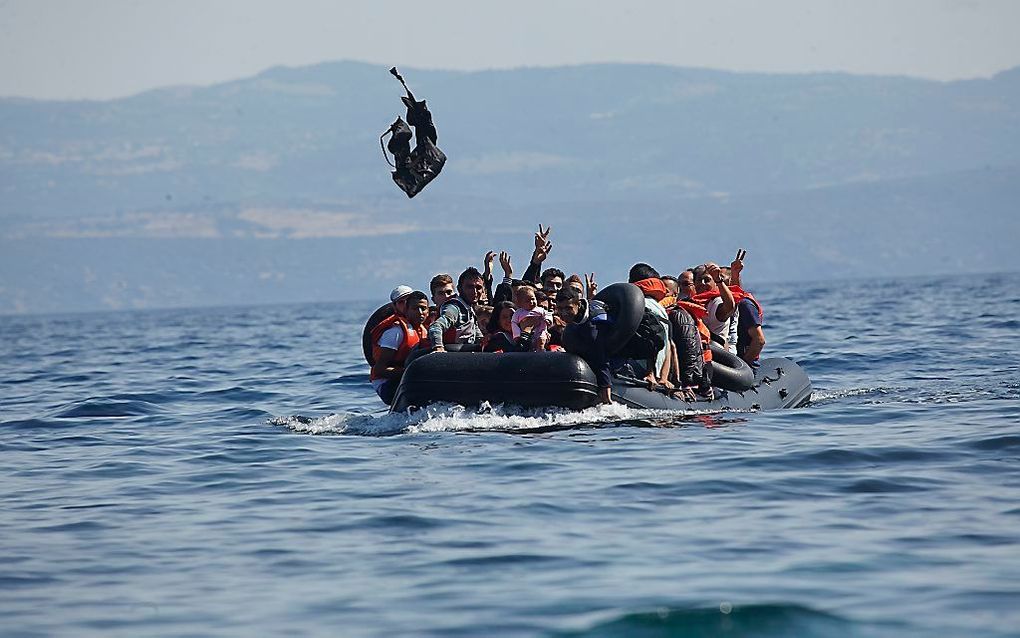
[107, 408]
[727, 619]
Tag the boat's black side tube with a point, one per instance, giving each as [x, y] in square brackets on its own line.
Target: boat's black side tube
[729, 371]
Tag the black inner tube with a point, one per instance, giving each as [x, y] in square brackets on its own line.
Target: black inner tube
[729, 371]
[366, 334]
[625, 304]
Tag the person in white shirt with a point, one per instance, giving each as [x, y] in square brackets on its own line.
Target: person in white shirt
[718, 300]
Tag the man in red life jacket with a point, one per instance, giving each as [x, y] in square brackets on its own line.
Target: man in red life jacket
[395, 337]
[456, 322]
[717, 299]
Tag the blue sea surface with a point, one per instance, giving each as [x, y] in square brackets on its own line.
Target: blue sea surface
[157, 480]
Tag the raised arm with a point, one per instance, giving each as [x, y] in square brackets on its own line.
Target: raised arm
[726, 308]
[590, 286]
[736, 267]
[542, 248]
[504, 291]
[490, 256]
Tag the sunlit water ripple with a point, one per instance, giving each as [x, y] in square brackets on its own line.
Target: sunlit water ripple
[229, 472]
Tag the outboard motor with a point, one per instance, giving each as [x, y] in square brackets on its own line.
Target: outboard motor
[413, 170]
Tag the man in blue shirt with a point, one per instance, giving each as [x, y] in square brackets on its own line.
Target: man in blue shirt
[750, 338]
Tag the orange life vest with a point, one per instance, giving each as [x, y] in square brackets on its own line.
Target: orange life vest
[739, 294]
[411, 338]
[652, 287]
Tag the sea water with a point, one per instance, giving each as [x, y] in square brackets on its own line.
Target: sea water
[229, 471]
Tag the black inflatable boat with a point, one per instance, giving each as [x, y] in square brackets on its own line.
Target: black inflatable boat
[561, 379]
[541, 379]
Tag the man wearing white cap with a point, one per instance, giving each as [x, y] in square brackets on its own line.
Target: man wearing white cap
[398, 297]
[394, 337]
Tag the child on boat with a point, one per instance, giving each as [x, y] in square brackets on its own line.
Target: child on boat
[536, 319]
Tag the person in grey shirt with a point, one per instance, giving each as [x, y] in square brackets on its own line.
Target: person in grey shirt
[456, 322]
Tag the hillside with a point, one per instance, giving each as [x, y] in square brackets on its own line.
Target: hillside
[273, 188]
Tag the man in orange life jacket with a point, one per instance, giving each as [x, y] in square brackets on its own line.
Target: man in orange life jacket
[718, 300]
[456, 322]
[395, 337]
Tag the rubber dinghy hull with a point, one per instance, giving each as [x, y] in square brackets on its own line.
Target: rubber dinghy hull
[778, 383]
[557, 379]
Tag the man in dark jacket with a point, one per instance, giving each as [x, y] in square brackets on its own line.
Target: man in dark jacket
[695, 374]
[587, 321]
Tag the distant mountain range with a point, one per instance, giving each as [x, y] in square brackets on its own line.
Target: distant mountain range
[273, 188]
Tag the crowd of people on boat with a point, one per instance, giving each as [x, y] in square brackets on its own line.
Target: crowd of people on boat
[547, 311]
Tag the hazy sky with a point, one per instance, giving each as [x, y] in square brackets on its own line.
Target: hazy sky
[110, 48]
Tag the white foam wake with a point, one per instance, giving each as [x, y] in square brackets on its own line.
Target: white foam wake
[445, 417]
[825, 396]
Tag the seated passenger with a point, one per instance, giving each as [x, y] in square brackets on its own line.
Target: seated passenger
[731, 337]
[694, 358]
[541, 299]
[527, 307]
[672, 290]
[718, 301]
[750, 337]
[394, 338]
[556, 331]
[441, 288]
[672, 287]
[483, 313]
[685, 285]
[399, 297]
[574, 281]
[656, 368]
[587, 320]
[500, 332]
[552, 281]
[456, 322]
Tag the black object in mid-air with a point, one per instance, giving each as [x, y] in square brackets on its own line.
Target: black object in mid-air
[413, 169]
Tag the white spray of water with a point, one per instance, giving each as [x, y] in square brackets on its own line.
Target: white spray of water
[445, 417]
[826, 396]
